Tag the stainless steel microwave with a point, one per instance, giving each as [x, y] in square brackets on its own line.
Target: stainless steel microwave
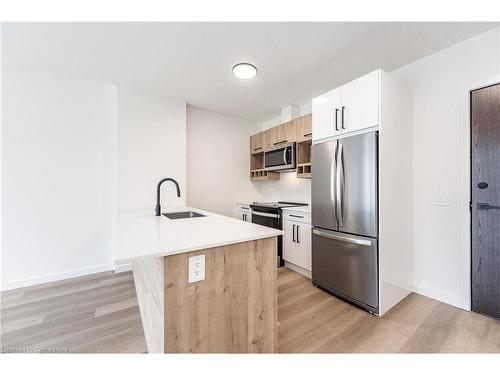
[281, 157]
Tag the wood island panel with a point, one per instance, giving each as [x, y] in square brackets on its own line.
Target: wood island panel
[234, 310]
[149, 286]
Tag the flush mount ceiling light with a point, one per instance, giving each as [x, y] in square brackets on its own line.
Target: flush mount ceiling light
[244, 71]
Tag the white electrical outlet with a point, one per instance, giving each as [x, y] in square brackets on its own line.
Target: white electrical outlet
[196, 268]
[442, 199]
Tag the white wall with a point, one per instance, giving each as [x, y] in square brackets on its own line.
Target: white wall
[275, 121]
[288, 188]
[58, 184]
[219, 161]
[151, 145]
[73, 152]
[440, 85]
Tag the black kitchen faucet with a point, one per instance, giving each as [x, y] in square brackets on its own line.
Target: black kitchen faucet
[158, 207]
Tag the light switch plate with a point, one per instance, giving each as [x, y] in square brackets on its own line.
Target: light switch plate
[442, 199]
[196, 269]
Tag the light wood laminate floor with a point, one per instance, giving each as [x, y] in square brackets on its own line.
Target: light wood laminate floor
[90, 314]
[99, 314]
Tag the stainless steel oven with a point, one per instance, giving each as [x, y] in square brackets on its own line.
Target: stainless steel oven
[267, 219]
[281, 157]
[270, 217]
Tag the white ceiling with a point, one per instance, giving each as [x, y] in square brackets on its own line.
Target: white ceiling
[192, 61]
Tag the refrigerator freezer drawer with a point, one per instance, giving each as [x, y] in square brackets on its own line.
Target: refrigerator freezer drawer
[347, 265]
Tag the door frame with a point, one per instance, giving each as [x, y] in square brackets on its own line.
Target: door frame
[466, 194]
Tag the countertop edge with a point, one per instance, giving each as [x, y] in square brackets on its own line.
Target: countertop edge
[197, 248]
[306, 209]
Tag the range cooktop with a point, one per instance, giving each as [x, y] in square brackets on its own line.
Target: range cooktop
[279, 204]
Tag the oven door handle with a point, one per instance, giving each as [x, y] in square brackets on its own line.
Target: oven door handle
[276, 216]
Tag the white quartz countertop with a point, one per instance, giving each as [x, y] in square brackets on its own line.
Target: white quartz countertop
[140, 234]
[298, 209]
[240, 203]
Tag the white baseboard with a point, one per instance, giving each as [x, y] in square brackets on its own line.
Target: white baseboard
[298, 269]
[123, 267]
[439, 296]
[55, 277]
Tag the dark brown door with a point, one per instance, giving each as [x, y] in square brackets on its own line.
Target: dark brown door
[485, 202]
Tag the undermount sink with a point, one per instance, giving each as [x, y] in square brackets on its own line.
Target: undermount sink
[182, 215]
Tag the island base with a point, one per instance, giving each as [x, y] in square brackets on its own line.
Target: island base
[233, 310]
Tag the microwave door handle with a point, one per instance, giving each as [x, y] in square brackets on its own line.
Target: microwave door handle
[284, 155]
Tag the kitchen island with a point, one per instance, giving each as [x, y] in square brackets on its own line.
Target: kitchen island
[232, 310]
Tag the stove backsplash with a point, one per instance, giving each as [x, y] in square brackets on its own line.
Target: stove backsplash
[287, 188]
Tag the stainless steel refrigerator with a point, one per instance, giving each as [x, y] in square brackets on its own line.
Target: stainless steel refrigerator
[345, 218]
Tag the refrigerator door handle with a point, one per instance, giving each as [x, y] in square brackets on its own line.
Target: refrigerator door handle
[343, 239]
[339, 190]
[332, 186]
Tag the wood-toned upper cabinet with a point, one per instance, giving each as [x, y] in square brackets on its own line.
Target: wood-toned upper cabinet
[257, 143]
[285, 133]
[268, 136]
[303, 128]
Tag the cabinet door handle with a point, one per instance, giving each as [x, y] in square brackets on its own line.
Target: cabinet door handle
[307, 135]
[336, 119]
[298, 226]
[343, 110]
[293, 233]
[257, 148]
[280, 142]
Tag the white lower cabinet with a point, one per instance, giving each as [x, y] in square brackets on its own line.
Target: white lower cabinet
[297, 243]
[244, 212]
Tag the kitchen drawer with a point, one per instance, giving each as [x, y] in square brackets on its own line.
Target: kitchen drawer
[300, 216]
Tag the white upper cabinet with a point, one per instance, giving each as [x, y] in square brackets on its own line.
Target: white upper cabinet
[349, 108]
[325, 114]
[360, 102]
